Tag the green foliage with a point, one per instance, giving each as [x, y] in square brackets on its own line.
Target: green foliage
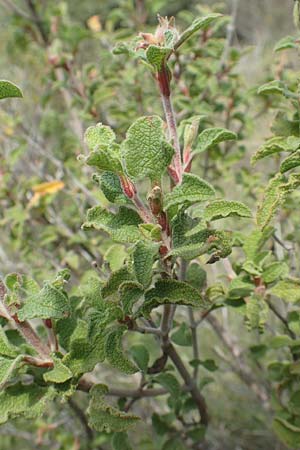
[9, 89]
[103, 417]
[145, 151]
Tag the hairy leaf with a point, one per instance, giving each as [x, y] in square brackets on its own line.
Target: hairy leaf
[130, 292]
[145, 151]
[122, 226]
[6, 348]
[219, 209]
[24, 400]
[50, 302]
[290, 162]
[276, 144]
[201, 23]
[288, 290]
[115, 281]
[213, 136]
[104, 417]
[59, 374]
[192, 189]
[114, 352]
[271, 88]
[156, 55]
[111, 187]
[288, 433]
[143, 258]
[170, 291]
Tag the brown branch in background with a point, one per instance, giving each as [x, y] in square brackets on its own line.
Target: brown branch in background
[239, 367]
[82, 417]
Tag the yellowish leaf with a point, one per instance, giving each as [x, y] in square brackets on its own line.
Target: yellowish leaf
[94, 23]
[42, 189]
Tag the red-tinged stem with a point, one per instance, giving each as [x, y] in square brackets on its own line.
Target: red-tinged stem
[163, 79]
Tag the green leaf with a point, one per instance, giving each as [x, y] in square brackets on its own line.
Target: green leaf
[276, 144]
[106, 159]
[99, 135]
[115, 281]
[8, 367]
[174, 443]
[240, 288]
[213, 136]
[192, 189]
[86, 350]
[115, 256]
[275, 194]
[271, 88]
[274, 271]
[111, 187]
[290, 162]
[182, 336]
[122, 226]
[114, 352]
[59, 374]
[140, 356]
[256, 313]
[196, 276]
[104, 417]
[288, 290]
[201, 23]
[130, 292]
[156, 56]
[6, 348]
[288, 433]
[143, 258]
[171, 291]
[255, 241]
[9, 89]
[286, 43]
[219, 209]
[294, 403]
[24, 400]
[145, 151]
[50, 302]
[120, 441]
[169, 382]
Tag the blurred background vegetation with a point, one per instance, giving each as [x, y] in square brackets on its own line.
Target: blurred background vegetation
[62, 60]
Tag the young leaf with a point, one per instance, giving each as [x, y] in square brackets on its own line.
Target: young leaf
[219, 209]
[104, 417]
[9, 89]
[114, 352]
[171, 291]
[145, 151]
[213, 136]
[192, 189]
[122, 226]
[201, 23]
[156, 56]
[50, 302]
[98, 136]
[288, 290]
[256, 313]
[274, 271]
[196, 276]
[143, 257]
